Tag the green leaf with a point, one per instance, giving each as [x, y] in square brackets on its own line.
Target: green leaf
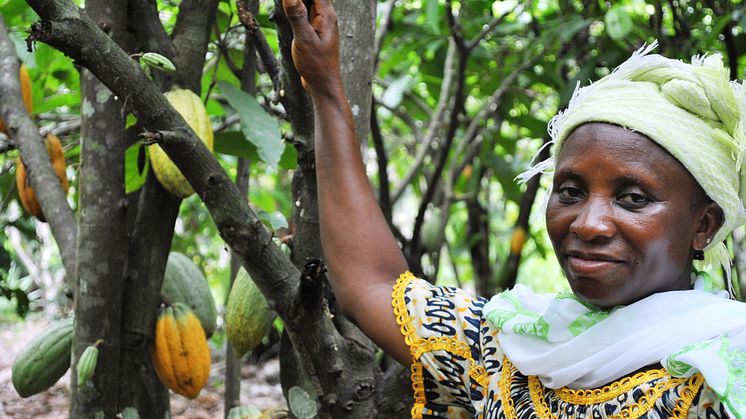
[5, 259]
[274, 220]
[234, 143]
[618, 22]
[129, 413]
[22, 302]
[134, 178]
[301, 404]
[394, 94]
[259, 128]
[432, 15]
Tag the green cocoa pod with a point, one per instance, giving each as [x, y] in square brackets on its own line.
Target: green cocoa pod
[244, 412]
[433, 231]
[44, 360]
[183, 282]
[247, 317]
[158, 62]
[87, 363]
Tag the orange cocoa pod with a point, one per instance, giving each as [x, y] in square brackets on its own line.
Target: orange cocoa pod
[25, 92]
[23, 183]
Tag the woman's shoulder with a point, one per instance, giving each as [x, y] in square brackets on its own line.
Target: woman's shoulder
[426, 311]
[454, 348]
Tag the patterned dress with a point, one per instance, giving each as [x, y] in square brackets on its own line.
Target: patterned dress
[459, 370]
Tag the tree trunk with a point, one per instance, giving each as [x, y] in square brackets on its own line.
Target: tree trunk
[102, 245]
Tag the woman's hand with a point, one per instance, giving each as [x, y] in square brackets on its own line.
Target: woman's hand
[315, 44]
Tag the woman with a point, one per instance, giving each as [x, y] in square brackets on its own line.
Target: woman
[629, 211]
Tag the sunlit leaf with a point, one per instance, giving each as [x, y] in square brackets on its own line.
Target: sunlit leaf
[618, 22]
[301, 404]
[259, 128]
[274, 220]
[135, 172]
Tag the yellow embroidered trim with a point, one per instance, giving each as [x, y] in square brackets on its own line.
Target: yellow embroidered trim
[611, 391]
[506, 380]
[419, 346]
[686, 398]
[635, 410]
[400, 308]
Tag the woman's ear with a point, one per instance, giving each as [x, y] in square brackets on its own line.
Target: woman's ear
[710, 219]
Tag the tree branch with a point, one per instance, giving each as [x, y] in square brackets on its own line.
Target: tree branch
[384, 198]
[190, 38]
[435, 122]
[6, 144]
[34, 154]
[383, 29]
[414, 249]
[271, 66]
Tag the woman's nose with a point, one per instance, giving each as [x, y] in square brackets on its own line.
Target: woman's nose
[594, 220]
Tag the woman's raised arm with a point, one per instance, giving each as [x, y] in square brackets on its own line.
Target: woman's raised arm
[361, 253]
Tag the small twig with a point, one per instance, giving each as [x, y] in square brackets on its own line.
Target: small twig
[455, 28]
[157, 137]
[383, 28]
[271, 66]
[435, 123]
[401, 113]
[6, 144]
[418, 101]
[222, 46]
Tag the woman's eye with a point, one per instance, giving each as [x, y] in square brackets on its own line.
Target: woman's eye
[634, 199]
[569, 193]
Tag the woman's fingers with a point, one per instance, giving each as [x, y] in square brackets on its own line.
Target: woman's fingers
[297, 14]
[316, 41]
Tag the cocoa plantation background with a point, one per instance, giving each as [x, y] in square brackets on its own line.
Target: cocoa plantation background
[451, 100]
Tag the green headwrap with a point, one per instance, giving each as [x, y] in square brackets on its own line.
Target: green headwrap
[691, 110]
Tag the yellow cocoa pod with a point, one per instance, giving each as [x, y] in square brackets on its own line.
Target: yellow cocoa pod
[518, 240]
[26, 192]
[25, 81]
[190, 107]
[180, 354]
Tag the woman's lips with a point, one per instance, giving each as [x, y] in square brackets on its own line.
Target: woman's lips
[590, 265]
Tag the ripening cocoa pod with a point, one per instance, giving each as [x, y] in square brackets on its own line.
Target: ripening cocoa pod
[23, 183]
[25, 82]
[181, 356]
[518, 240]
[190, 107]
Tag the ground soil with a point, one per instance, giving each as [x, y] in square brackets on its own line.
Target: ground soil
[260, 384]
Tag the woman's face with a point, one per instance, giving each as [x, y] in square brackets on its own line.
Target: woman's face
[622, 216]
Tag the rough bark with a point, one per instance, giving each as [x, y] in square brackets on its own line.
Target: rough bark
[394, 393]
[102, 247]
[357, 21]
[26, 136]
[151, 237]
[338, 361]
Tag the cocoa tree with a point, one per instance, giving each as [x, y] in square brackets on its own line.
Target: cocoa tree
[488, 82]
[347, 386]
